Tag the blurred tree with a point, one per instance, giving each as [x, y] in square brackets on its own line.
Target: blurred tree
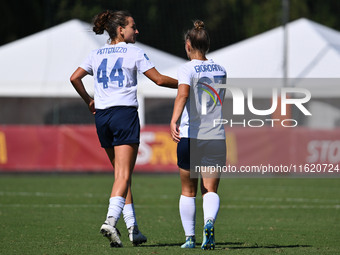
[163, 23]
[324, 12]
[19, 19]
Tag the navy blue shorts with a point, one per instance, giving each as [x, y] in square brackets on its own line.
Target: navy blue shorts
[201, 153]
[117, 125]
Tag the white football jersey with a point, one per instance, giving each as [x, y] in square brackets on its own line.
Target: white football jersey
[204, 104]
[114, 69]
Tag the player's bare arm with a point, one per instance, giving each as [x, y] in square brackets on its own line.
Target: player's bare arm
[180, 101]
[76, 80]
[160, 79]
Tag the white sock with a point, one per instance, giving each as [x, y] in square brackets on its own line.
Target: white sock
[115, 209]
[129, 215]
[211, 205]
[187, 210]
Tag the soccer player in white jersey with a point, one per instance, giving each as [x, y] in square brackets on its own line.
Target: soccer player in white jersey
[114, 68]
[200, 144]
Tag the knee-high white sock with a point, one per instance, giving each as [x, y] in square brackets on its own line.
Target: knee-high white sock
[129, 215]
[115, 209]
[187, 210]
[211, 205]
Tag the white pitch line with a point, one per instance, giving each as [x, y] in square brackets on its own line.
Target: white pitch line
[46, 194]
[52, 205]
[287, 199]
[281, 206]
[166, 197]
[169, 206]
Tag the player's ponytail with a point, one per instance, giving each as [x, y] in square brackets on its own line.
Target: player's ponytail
[100, 20]
[198, 37]
[198, 25]
[110, 20]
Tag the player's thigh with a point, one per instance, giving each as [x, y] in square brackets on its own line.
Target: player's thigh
[125, 159]
[110, 152]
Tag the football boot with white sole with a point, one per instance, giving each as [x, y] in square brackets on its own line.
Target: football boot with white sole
[111, 233]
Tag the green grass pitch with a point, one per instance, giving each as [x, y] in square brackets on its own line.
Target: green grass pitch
[62, 214]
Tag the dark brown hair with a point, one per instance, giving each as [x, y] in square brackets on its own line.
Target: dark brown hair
[198, 37]
[110, 20]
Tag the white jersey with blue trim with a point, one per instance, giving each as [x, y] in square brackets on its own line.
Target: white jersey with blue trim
[204, 105]
[114, 69]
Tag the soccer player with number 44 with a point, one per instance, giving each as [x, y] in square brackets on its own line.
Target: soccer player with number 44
[114, 68]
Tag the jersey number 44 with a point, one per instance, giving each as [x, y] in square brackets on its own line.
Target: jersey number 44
[116, 73]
